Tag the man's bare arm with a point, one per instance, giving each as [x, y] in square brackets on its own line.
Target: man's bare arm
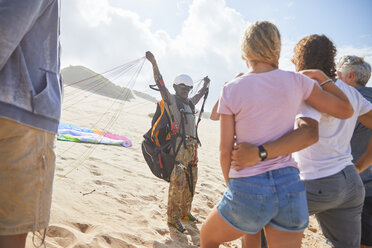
[157, 76]
[366, 159]
[306, 134]
[366, 119]
[195, 99]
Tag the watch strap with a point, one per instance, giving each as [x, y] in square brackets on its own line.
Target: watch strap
[262, 153]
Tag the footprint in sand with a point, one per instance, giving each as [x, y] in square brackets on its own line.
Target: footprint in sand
[60, 175]
[138, 158]
[96, 173]
[62, 235]
[113, 242]
[84, 228]
[162, 231]
[99, 182]
[127, 171]
[148, 198]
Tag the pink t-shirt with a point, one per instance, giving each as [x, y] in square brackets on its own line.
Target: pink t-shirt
[265, 107]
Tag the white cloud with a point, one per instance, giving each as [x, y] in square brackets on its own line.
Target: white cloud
[99, 36]
[95, 11]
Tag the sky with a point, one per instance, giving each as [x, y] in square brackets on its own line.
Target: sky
[202, 37]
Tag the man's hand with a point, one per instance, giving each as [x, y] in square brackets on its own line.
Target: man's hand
[206, 81]
[150, 57]
[244, 155]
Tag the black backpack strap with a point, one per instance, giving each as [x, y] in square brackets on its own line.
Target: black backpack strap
[183, 129]
[200, 114]
[202, 107]
[190, 179]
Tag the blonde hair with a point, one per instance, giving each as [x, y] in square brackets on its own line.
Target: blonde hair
[261, 43]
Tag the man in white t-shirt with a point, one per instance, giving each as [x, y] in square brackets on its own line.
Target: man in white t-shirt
[335, 192]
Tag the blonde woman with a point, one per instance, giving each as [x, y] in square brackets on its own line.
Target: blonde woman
[258, 107]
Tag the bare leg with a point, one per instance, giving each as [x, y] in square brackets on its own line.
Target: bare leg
[14, 241]
[282, 239]
[251, 240]
[216, 231]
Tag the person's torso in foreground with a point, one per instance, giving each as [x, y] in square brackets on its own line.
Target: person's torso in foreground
[265, 106]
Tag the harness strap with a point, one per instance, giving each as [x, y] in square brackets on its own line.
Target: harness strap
[200, 114]
[183, 129]
[190, 179]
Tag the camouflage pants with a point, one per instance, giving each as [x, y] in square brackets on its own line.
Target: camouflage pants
[180, 197]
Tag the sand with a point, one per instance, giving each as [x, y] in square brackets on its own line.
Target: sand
[109, 197]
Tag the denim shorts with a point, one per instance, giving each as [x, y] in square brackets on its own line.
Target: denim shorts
[276, 198]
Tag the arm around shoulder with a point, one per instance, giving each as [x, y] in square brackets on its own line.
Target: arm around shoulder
[330, 100]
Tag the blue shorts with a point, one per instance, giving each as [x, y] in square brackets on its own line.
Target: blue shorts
[276, 198]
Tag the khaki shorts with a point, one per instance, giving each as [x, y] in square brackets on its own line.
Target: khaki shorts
[27, 163]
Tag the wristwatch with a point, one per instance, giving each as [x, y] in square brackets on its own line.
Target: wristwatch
[262, 153]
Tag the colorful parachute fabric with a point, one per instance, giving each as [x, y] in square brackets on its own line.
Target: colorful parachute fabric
[74, 133]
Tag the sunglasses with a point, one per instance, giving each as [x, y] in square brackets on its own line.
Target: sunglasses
[184, 87]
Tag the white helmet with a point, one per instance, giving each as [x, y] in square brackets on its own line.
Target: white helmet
[183, 79]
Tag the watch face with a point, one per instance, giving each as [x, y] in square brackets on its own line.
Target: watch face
[262, 154]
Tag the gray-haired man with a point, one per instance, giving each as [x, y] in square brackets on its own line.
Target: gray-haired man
[356, 72]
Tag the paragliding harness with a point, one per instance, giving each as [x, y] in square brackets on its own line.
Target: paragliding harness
[159, 146]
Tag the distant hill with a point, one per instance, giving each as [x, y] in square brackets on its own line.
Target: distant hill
[97, 84]
[145, 96]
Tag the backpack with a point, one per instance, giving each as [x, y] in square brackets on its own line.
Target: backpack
[159, 144]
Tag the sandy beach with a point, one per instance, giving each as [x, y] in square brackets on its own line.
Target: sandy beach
[106, 196]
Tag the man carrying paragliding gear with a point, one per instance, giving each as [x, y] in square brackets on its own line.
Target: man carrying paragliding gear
[184, 175]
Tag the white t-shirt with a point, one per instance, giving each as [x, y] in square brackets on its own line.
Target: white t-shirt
[332, 153]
